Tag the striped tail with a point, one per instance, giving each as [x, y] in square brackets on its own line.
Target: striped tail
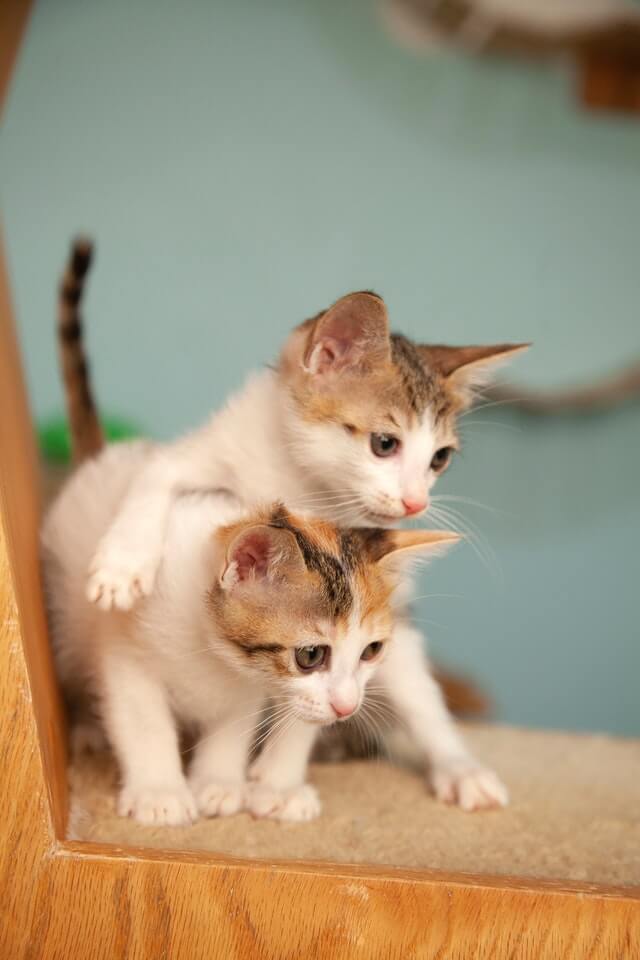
[87, 437]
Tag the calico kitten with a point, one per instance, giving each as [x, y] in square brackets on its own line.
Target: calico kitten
[246, 607]
[353, 424]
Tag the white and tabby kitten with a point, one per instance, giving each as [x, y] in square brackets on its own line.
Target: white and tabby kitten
[246, 608]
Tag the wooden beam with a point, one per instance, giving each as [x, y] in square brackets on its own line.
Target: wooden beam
[13, 21]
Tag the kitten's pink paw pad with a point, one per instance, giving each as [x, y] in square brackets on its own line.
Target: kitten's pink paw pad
[117, 581]
[297, 805]
[220, 799]
[468, 786]
[158, 806]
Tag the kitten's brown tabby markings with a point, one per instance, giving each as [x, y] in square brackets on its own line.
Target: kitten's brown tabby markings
[87, 437]
[380, 377]
[324, 574]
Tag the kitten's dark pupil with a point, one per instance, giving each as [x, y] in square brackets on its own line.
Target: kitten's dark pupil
[441, 458]
[372, 650]
[309, 657]
[383, 444]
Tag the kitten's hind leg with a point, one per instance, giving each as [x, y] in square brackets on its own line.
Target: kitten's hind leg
[86, 734]
[142, 731]
[455, 776]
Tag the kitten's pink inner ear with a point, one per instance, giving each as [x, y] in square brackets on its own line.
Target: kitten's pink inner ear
[251, 555]
[327, 354]
[354, 330]
[248, 557]
[261, 553]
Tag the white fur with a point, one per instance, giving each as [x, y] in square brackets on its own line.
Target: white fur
[260, 449]
[162, 664]
[372, 488]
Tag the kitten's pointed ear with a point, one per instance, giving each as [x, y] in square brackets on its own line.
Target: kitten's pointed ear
[467, 368]
[260, 554]
[353, 333]
[394, 549]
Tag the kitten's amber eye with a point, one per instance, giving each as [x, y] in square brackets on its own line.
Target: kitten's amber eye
[383, 444]
[371, 651]
[441, 459]
[311, 658]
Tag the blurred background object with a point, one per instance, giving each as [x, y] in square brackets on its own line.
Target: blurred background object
[599, 38]
[242, 165]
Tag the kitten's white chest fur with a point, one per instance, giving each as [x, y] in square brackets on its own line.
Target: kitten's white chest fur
[202, 687]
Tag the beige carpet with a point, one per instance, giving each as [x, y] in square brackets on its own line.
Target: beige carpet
[575, 814]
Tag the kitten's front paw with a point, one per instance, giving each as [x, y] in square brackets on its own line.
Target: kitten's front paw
[158, 806]
[300, 804]
[466, 784]
[220, 799]
[117, 579]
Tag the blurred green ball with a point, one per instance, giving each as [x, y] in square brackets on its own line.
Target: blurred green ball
[55, 443]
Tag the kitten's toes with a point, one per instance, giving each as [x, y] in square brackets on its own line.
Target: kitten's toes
[156, 806]
[116, 583]
[468, 785]
[301, 804]
[220, 799]
[297, 805]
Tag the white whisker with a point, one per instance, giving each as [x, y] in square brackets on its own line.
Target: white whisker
[484, 406]
[437, 596]
[449, 517]
[492, 423]
[447, 498]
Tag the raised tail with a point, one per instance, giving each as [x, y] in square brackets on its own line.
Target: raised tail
[87, 437]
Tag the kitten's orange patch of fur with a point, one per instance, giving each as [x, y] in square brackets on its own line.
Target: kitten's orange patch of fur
[322, 573]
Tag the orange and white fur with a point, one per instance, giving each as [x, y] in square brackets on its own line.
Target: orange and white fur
[353, 424]
[246, 608]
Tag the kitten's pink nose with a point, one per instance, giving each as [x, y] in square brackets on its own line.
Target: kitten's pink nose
[342, 708]
[413, 506]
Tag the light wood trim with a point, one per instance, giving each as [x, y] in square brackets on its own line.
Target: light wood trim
[13, 21]
[186, 910]
[20, 510]
[356, 871]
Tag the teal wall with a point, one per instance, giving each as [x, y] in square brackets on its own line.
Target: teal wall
[243, 164]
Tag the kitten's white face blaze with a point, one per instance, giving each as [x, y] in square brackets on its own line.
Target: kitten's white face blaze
[365, 488]
[309, 606]
[347, 377]
[336, 691]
